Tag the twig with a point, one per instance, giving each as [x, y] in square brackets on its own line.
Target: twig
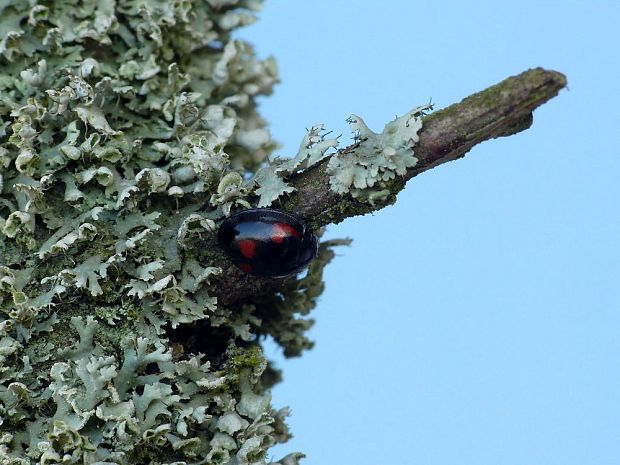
[501, 110]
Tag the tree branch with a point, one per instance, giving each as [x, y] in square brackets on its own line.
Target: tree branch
[501, 110]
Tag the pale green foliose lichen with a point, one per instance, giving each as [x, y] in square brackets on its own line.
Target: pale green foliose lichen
[360, 171]
[126, 128]
[271, 179]
[376, 158]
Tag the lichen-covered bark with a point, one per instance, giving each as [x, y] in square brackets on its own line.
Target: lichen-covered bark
[448, 134]
[128, 130]
[123, 126]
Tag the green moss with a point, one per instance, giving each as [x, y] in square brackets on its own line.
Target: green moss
[244, 362]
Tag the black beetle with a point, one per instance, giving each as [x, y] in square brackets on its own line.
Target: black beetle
[267, 242]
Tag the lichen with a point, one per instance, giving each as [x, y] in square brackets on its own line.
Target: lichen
[363, 170]
[271, 180]
[376, 158]
[128, 130]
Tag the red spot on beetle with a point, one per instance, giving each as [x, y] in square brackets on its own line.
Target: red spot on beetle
[245, 267]
[247, 247]
[281, 231]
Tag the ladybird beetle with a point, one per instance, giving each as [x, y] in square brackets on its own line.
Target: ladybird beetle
[267, 242]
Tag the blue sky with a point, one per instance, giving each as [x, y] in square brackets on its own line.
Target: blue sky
[476, 321]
